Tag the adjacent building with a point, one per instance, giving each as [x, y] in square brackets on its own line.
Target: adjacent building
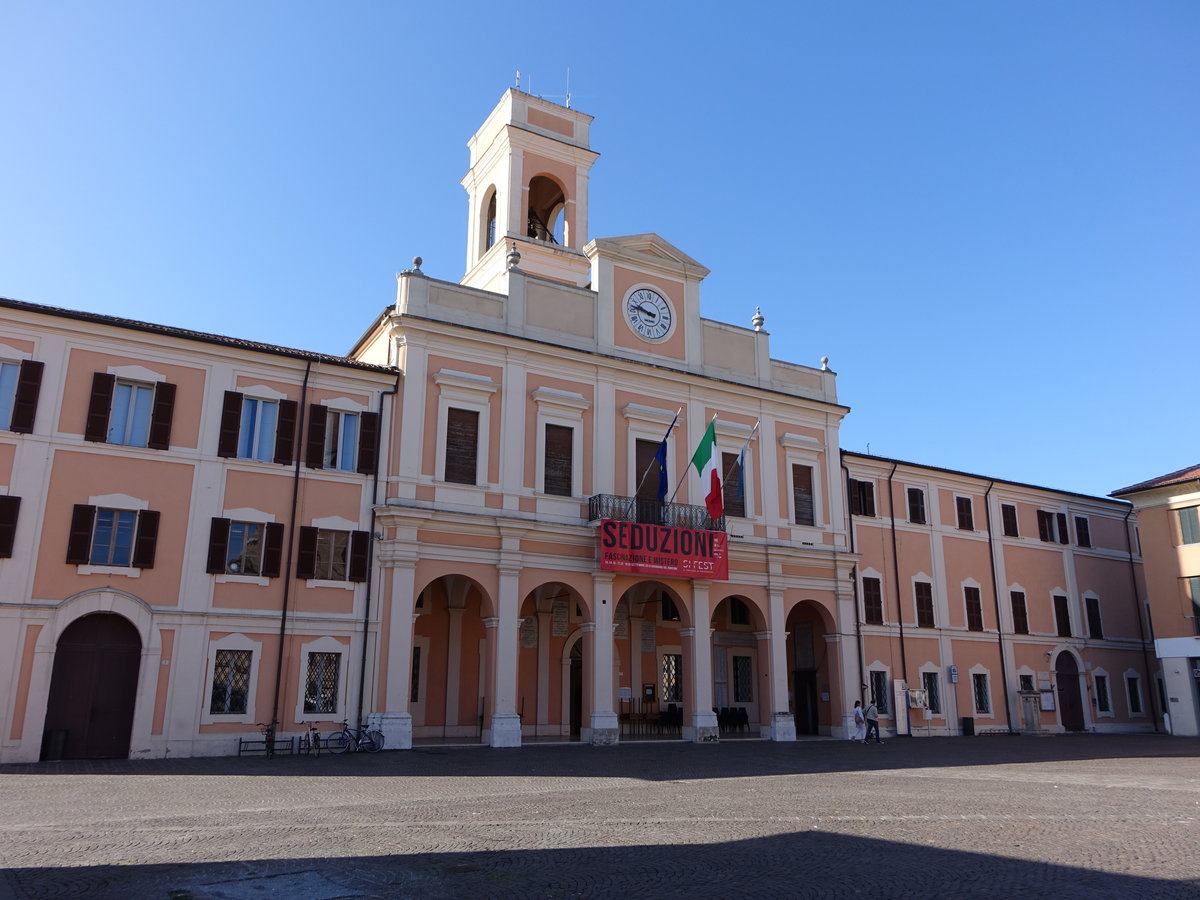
[488, 522]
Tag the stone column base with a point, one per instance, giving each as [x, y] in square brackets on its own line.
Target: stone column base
[783, 727]
[704, 728]
[396, 727]
[605, 730]
[505, 730]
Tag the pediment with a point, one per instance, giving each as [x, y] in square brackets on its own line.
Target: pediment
[651, 248]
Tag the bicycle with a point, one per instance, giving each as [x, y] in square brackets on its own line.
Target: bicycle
[311, 740]
[358, 739]
[268, 739]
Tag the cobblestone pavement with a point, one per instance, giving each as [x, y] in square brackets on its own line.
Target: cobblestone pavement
[1080, 816]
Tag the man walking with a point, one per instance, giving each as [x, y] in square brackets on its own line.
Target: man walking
[872, 717]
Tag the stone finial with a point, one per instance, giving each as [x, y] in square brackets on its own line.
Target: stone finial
[824, 363]
[513, 258]
[758, 319]
[416, 269]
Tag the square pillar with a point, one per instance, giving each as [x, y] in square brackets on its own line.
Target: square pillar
[783, 721]
[704, 727]
[605, 729]
[396, 721]
[504, 636]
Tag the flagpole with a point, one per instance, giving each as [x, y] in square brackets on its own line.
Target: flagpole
[670, 428]
[745, 447]
[688, 466]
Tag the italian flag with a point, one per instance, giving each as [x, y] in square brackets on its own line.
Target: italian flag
[706, 463]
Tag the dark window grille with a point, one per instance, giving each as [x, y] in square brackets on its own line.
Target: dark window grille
[231, 682]
[558, 461]
[924, 593]
[462, 445]
[672, 678]
[1008, 515]
[933, 698]
[879, 692]
[916, 506]
[321, 683]
[974, 609]
[873, 601]
[802, 495]
[983, 700]
[743, 680]
[1019, 612]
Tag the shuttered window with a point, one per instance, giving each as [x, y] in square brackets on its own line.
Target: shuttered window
[1083, 531]
[1008, 516]
[10, 507]
[1062, 615]
[1019, 613]
[733, 488]
[331, 555]
[113, 537]
[462, 445]
[862, 498]
[20, 384]
[916, 506]
[966, 513]
[802, 495]
[245, 548]
[974, 608]
[924, 594]
[558, 472]
[1095, 624]
[872, 601]
[130, 413]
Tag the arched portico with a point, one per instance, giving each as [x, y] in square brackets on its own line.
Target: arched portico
[551, 620]
[812, 654]
[740, 667]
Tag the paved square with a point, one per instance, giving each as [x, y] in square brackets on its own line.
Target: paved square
[1081, 816]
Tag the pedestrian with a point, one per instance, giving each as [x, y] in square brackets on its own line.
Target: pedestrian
[872, 717]
[860, 722]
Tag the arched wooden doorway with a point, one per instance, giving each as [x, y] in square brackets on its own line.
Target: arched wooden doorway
[93, 689]
[576, 689]
[1070, 701]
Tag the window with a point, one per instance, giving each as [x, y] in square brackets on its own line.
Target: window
[916, 506]
[1133, 687]
[672, 678]
[983, 699]
[230, 683]
[739, 612]
[733, 488]
[10, 507]
[347, 441]
[933, 699]
[1008, 517]
[1095, 626]
[20, 384]
[557, 476]
[1052, 527]
[1027, 684]
[327, 554]
[743, 680]
[257, 428]
[966, 514]
[1062, 615]
[245, 548]
[462, 445]
[1189, 525]
[1083, 531]
[862, 498]
[872, 601]
[670, 612]
[490, 222]
[802, 495]
[321, 682]
[112, 537]
[974, 608]
[1103, 700]
[1191, 588]
[1019, 613]
[130, 413]
[879, 691]
[414, 691]
[924, 593]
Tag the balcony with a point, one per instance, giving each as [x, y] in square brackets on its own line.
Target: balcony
[631, 509]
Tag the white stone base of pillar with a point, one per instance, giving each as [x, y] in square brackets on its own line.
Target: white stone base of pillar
[505, 730]
[605, 730]
[396, 727]
[783, 727]
[704, 728]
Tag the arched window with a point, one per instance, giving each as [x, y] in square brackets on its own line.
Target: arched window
[547, 208]
[489, 237]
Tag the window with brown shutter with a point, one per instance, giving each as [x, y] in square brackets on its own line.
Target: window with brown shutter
[862, 497]
[314, 451]
[732, 487]
[924, 593]
[1008, 515]
[1019, 612]
[360, 546]
[10, 507]
[25, 400]
[159, 436]
[557, 472]
[79, 543]
[368, 443]
[1062, 615]
[872, 601]
[99, 405]
[231, 424]
[462, 445]
[974, 608]
[916, 506]
[1083, 531]
[1095, 624]
[272, 563]
[146, 539]
[285, 432]
[966, 513]
[802, 495]
[218, 546]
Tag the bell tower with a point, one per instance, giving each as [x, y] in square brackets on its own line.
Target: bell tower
[528, 188]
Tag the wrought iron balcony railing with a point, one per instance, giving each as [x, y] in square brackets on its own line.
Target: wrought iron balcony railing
[631, 509]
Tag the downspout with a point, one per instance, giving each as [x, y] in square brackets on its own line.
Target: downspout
[896, 576]
[987, 509]
[1152, 685]
[291, 537]
[854, 580]
[366, 623]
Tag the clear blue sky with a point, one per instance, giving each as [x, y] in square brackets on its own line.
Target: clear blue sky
[986, 214]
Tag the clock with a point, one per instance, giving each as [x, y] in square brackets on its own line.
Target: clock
[649, 314]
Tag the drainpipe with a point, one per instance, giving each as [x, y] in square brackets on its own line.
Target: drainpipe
[987, 509]
[366, 622]
[1152, 682]
[854, 580]
[287, 566]
[896, 576]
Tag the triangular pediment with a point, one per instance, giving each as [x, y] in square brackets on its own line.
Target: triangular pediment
[646, 248]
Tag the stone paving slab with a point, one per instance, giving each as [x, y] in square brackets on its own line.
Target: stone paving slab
[1079, 816]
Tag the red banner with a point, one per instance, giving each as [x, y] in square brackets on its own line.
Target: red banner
[661, 550]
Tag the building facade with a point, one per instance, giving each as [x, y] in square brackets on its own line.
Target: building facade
[487, 523]
[1168, 515]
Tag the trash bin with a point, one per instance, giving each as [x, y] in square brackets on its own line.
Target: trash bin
[968, 726]
[54, 741]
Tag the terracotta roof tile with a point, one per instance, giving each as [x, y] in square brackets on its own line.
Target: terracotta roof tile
[1191, 473]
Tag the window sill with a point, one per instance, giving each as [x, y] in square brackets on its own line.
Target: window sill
[227, 719]
[127, 571]
[242, 579]
[322, 583]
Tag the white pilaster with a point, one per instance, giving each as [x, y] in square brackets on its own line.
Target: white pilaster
[704, 721]
[605, 728]
[783, 722]
[506, 724]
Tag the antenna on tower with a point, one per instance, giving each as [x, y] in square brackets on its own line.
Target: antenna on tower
[568, 88]
[518, 79]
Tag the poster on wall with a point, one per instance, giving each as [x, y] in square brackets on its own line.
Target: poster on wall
[662, 550]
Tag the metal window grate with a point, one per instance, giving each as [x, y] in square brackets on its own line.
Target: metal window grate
[321, 683]
[231, 680]
[743, 680]
[672, 677]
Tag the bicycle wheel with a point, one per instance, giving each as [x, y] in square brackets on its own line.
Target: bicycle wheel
[304, 744]
[338, 742]
[374, 742]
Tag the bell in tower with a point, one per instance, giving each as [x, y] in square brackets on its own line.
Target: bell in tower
[528, 188]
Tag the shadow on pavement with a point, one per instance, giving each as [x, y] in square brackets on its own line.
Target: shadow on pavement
[804, 864]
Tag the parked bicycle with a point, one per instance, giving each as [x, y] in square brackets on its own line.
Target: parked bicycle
[311, 741]
[354, 739]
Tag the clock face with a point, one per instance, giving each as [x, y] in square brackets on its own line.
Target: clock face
[649, 313]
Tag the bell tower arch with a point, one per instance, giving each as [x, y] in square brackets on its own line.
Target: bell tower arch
[528, 186]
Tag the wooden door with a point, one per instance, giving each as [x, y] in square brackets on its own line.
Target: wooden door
[1070, 703]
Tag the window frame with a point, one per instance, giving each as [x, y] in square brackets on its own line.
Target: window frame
[964, 512]
[862, 497]
[1102, 687]
[1021, 626]
[1188, 518]
[878, 586]
[924, 606]
[235, 641]
[83, 528]
[315, 540]
[915, 501]
[973, 607]
[878, 693]
[1061, 605]
[1094, 615]
[983, 679]
[931, 681]
[472, 393]
[99, 419]
[1083, 532]
[324, 644]
[1135, 700]
[802, 450]
[1009, 522]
